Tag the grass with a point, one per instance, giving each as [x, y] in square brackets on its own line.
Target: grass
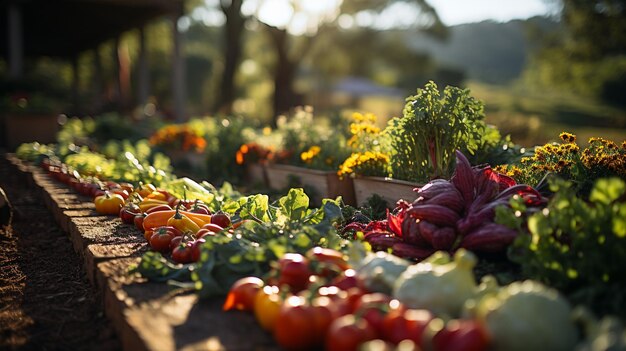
[533, 117]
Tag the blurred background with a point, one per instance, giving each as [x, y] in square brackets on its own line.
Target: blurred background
[540, 66]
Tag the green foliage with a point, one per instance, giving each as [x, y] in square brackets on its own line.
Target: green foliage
[601, 158]
[495, 150]
[588, 57]
[33, 152]
[185, 188]
[433, 126]
[224, 137]
[271, 230]
[575, 245]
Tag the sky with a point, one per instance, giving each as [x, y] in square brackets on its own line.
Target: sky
[454, 12]
[280, 13]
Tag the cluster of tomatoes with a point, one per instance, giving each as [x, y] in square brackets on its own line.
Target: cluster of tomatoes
[173, 226]
[170, 225]
[316, 300]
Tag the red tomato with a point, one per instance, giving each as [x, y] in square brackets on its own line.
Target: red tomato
[139, 221]
[324, 312]
[327, 262]
[121, 192]
[182, 253]
[295, 325]
[242, 294]
[221, 219]
[347, 333]
[128, 213]
[195, 249]
[460, 335]
[293, 271]
[346, 280]
[176, 241]
[128, 187]
[160, 240]
[345, 300]
[400, 324]
[373, 308]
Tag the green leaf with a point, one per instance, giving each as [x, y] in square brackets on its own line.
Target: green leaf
[607, 190]
[255, 207]
[231, 206]
[189, 188]
[619, 221]
[294, 205]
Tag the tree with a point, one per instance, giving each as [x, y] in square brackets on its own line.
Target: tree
[233, 32]
[588, 56]
[291, 49]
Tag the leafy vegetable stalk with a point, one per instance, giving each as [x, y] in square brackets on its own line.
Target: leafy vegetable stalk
[432, 128]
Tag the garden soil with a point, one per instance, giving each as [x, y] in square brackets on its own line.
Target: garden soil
[46, 301]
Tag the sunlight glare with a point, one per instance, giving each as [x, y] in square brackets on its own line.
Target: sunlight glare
[298, 16]
[277, 13]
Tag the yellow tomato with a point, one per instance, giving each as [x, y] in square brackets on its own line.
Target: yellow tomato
[109, 204]
[267, 303]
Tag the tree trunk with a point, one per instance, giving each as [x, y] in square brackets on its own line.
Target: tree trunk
[284, 75]
[233, 31]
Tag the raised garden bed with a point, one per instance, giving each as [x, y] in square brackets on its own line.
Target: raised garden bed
[146, 316]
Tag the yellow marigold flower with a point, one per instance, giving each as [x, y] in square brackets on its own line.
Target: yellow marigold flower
[357, 116]
[567, 137]
[314, 150]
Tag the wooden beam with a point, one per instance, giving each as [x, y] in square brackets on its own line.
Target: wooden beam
[15, 38]
[143, 92]
[75, 85]
[98, 85]
[117, 83]
[178, 71]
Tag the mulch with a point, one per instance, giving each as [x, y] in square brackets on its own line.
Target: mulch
[46, 301]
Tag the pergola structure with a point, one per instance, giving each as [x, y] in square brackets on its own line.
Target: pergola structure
[67, 28]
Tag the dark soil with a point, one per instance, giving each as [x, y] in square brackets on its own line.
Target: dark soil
[46, 302]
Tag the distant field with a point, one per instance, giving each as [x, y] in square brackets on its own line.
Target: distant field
[534, 118]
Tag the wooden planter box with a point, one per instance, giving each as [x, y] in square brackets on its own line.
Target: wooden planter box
[389, 189]
[25, 128]
[326, 184]
[256, 174]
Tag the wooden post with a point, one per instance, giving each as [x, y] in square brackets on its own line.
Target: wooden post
[143, 92]
[98, 81]
[178, 70]
[117, 84]
[15, 40]
[75, 84]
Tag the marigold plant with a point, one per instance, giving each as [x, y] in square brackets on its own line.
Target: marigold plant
[252, 153]
[365, 163]
[364, 134]
[178, 136]
[601, 158]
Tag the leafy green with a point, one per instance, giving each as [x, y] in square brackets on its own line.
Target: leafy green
[270, 231]
[432, 128]
[577, 246]
[294, 206]
[188, 188]
[157, 268]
